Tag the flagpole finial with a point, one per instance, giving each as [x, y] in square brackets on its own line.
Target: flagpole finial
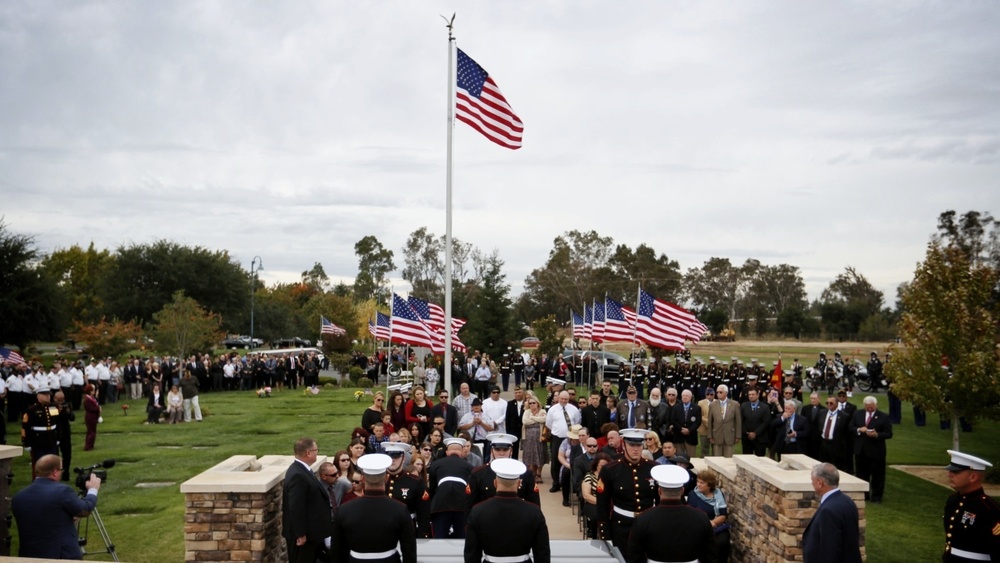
[450, 24]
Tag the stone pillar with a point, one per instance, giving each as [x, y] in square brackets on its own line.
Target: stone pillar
[771, 503]
[7, 453]
[233, 511]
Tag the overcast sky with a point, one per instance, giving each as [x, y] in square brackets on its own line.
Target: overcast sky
[819, 134]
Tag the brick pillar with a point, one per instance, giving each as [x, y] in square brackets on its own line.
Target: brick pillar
[7, 453]
[770, 505]
[232, 512]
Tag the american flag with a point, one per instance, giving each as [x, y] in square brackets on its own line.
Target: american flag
[408, 328]
[588, 321]
[479, 104]
[380, 328]
[326, 327]
[11, 356]
[661, 324]
[578, 328]
[598, 334]
[617, 327]
[696, 331]
[433, 315]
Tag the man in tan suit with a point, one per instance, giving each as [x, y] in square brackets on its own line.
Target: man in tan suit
[706, 445]
[724, 423]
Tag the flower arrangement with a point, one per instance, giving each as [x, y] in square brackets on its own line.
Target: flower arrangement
[125, 409]
[358, 394]
[264, 392]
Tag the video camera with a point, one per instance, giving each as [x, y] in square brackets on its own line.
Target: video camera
[100, 469]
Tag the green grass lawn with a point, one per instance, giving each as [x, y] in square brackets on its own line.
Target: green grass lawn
[146, 524]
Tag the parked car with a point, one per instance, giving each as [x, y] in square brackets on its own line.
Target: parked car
[241, 341]
[530, 342]
[295, 342]
[607, 362]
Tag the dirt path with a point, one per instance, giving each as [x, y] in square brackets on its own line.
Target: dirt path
[936, 474]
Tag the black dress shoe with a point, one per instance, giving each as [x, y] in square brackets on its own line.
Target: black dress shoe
[565, 503]
[554, 489]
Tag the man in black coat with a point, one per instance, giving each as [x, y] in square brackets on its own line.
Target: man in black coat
[690, 420]
[672, 531]
[813, 412]
[833, 429]
[449, 485]
[306, 521]
[595, 414]
[515, 424]
[832, 534]
[756, 424]
[445, 411]
[791, 430]
[871, 428]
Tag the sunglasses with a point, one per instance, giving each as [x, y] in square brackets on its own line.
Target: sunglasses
[425, 449]
[356, 482]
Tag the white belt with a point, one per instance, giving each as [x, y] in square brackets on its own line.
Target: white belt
[44, 428]
[366, 555]
[624, 512]
[509, 559]
[453, 479]
[970, 554]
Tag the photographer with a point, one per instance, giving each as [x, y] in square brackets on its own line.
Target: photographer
[45, 510]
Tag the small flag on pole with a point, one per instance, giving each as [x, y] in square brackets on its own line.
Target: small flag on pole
[479, 104]
[329, 328]
[380, 328]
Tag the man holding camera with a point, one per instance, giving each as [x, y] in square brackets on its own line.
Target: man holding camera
[45, 510]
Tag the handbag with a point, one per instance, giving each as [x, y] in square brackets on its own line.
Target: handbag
[546, 435]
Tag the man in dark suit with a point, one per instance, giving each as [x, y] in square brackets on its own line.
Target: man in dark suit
[447, 412]
[791, 430]
[690, 420]
[871, 428]
[813, 413]
[756, 424]
[850, 409]
[833, 428]
[306, 521]
[515, 410]
[45, 510]
[832, 534]
[595, 414]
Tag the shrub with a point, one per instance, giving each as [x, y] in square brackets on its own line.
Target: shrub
[365, 383]
[355, 374]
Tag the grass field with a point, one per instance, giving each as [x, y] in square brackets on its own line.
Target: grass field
[146, 522]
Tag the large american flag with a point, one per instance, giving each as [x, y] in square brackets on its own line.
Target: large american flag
[598, 333]
[479, 104]
[588, 321]
[11, 356]
[578, 328]
[326, 327]
[619, 321]
[661, 324]
[408, 328]
[380, 328]
[433, 315]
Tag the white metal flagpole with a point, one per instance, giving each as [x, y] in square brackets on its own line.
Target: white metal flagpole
[447, 229]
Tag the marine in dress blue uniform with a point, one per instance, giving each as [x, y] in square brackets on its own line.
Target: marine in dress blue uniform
[505, 528]
[484, 476]
[671, 531]
[407, 489]
[450, 480]
[971, 519]
[627, 490]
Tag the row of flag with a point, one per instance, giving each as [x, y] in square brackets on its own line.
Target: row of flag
[416, 322]
[655, 322]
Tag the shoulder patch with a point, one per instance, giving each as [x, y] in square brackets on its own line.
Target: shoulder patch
[426, 496]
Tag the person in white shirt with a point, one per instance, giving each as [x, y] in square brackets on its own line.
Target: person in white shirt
[103, 378]
[496, 409]
[560, 418]
[483, 375]
[478, 424]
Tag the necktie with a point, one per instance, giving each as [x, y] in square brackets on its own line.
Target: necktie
[828, 431]
[631, 414]
[868, 419]
[333, 498]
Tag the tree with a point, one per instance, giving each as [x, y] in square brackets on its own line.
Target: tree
[659, 275]
[424, 260]
[105, 339]
[340, 311]
[491, 326]
[79, 273]
[316, 278]
[776, 288]
[547, 331]
[977, 235]
[183, 326]
[568, 278]
[143, 279]
[847, 302]
[948, 324]
[716, 285]
[374, 264]
[32, 306]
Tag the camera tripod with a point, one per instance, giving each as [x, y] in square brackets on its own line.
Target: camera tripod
[109, 547]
